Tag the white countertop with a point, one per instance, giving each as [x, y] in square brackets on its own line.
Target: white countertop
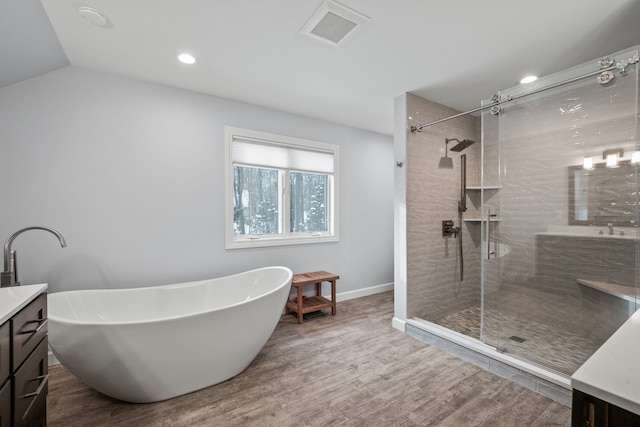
[14, 298]
[591, 234]
[612, 373]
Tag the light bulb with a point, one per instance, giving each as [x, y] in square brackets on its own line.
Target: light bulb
[186, 58]
[528, 79]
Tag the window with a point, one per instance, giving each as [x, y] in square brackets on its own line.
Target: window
[280, 190]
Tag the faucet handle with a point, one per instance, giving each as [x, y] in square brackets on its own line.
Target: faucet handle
[14, 268]
[10, 277]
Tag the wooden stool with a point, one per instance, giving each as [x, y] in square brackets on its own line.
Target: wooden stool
[302, 305]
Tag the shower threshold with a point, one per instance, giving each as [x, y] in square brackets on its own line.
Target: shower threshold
[548, 383]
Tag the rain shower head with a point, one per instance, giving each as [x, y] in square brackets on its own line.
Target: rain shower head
[461, 145]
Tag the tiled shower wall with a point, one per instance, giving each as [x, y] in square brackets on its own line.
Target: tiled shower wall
[540, 137]
[434, 288]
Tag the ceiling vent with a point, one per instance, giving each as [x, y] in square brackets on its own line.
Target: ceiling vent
[333, 22]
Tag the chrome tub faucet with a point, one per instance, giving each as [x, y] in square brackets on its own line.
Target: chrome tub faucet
[9, 277]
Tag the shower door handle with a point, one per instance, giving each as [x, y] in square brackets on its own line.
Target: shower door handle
[489, 216]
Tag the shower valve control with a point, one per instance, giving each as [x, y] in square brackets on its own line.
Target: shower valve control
[448, 229]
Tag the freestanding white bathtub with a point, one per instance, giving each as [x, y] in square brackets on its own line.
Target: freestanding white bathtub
[150, 344]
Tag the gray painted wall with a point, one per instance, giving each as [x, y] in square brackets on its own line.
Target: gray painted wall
[28, 43]
[132, 174]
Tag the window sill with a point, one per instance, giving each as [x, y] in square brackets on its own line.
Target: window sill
[279, 241]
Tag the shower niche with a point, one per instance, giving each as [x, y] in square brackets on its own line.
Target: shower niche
[475, 196]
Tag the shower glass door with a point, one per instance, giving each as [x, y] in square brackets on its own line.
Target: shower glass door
[560, 215]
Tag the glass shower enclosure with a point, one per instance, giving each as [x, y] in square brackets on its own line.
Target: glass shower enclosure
[559, 232]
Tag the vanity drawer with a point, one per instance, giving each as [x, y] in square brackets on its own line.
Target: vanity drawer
[5, 405]
[5, 351]
[29, 326]
[31, 385]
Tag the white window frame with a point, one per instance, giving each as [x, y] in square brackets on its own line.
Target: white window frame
[286, 238]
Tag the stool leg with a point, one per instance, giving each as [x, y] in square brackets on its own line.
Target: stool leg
[319, 289]
[333, 297]
[299, 304]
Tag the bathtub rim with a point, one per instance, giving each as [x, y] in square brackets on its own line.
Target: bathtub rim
[52, 316]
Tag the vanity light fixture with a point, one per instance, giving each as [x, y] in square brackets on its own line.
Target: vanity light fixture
[587, 163]
[612, 157]
[528, 79]
[186, 58]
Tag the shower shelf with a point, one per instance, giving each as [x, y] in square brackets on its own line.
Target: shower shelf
[475, 189]
[487, 187]
[480, 220]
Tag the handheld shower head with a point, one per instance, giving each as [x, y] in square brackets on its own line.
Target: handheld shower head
[461, 145]
[446, 162]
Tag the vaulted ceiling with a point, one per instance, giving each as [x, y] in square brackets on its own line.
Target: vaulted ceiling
[452, 52]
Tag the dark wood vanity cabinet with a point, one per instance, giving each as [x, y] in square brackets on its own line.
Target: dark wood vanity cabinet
[5, 373]
[589, 411]
[24, 366]
[5, 404]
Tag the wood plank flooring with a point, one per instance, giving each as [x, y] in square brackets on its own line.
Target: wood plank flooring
[352, 369]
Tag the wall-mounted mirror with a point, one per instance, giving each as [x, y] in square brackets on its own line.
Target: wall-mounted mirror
[603, 195]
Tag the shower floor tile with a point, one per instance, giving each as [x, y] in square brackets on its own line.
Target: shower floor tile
[543, 344]
[466, 322]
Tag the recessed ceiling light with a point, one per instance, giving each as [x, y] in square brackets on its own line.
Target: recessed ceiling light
[185, 58]
[93, 16]
[528, 79]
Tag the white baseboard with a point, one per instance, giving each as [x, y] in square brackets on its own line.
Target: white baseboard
[399, 324]
[52, 359]
[371, 290]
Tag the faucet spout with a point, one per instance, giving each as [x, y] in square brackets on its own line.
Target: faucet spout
[9, 276]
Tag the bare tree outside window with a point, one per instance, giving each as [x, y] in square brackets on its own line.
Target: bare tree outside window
[255, 201]
[280, 190]
[308, 202]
